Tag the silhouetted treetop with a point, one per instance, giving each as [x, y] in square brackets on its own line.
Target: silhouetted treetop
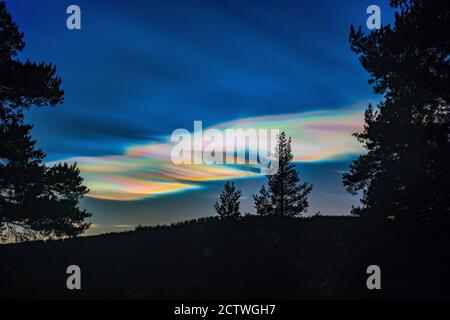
[24, 84]
[287, 195]
[406, 170]
[412, 56]
[35, 200]
[228, 204]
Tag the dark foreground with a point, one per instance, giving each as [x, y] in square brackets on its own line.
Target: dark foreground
[257, 257]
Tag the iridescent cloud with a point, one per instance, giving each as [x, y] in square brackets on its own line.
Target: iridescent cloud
[147, 170]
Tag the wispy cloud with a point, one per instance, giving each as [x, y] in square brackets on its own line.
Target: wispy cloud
[147, 170]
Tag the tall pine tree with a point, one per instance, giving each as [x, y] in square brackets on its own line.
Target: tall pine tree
[35, 200]
[287, 195]
[405, 172]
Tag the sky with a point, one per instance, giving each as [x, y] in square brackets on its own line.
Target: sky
[138, 70]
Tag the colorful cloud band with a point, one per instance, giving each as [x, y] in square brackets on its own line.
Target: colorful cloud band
[147, 170]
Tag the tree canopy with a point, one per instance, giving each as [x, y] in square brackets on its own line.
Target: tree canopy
[406, 171]
[228, 204]
[36, 200]
[286, 195]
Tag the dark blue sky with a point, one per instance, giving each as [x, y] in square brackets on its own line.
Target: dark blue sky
[140, 69]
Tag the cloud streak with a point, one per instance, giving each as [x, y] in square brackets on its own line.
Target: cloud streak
[146, 170]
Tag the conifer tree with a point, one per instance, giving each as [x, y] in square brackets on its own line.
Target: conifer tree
[287, 195]
[405, 172]
[35, 200]
[228, 204]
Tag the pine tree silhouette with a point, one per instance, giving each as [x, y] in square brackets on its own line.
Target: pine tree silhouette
[287, 195]
[35, 200]
[228, 204]
[406, 171]
[263, 204]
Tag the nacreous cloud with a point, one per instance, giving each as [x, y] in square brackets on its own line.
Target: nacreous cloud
[147, 170]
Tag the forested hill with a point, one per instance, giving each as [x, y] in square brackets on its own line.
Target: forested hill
[254, 257]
